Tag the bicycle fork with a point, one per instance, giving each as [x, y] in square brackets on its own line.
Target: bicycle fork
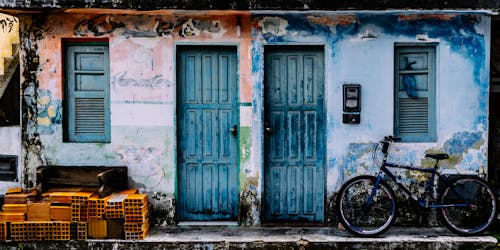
[374, 189]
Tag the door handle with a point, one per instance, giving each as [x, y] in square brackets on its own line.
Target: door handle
[267, 128]
[234, 130]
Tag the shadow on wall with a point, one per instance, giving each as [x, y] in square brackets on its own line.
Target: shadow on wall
[10, 102]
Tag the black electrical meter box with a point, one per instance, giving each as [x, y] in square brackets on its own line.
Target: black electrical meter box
[352, 98]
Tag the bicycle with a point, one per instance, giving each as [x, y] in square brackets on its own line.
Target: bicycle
[366, 205]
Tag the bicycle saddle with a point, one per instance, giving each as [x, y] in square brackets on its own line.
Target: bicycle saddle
[438, 156]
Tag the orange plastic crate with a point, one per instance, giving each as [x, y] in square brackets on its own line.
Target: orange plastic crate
[15, 208]
[135, 200]
[115, 209]
[97, 206]
[75, 212]
[61, 230]
[137, 227]
[3, 230]
[37, 230]
[79, 212]
[61, 197]
[16, 198]
[136, 235]
[137, 218]
[12, 217]
[60, 213]
[81, 231]
[136, 211]
[38, 211]
[80, 197]
[97, 228]
[17, 231]
[84, 212]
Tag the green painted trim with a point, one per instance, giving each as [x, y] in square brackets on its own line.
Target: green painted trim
[245, 104]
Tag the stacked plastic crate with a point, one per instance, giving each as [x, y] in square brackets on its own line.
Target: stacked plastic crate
[61, 213]
[14, 208]
[3, 230]
[74, 214]
[136, 209]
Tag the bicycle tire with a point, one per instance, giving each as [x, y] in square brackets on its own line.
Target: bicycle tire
[470, 220]
[356, 216]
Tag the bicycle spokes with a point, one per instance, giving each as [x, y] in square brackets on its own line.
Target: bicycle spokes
[471, 206]
[365, 211]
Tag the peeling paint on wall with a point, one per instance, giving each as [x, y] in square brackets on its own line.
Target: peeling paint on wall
[193, 27]
[162, 209]
[273, 25]
[33, 149]
[49, 112]
[359, 159]
[250, 202]
[101, 25]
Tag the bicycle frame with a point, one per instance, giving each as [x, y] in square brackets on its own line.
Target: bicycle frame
[384, 169]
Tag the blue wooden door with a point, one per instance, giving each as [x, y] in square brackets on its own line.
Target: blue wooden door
[207, 122]
[294, 134]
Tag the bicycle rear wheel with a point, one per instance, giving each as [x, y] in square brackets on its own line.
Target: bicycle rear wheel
[479, 212]
[361, 218]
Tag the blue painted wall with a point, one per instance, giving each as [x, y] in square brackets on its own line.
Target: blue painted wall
[359, 48]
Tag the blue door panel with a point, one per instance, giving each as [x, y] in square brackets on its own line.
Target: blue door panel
[207, 150]
[294, 173]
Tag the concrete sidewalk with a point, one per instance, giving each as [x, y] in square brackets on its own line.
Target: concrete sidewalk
[235, 237]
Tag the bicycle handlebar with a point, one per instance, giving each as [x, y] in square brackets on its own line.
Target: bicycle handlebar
[390, 138]
[387, 141]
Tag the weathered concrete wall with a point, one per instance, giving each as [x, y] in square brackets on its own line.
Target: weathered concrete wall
[358, 47]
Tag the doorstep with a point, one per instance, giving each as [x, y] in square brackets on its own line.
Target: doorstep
[235, 237]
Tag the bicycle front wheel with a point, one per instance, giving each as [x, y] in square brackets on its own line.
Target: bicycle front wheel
[471, 206]
[361, 216]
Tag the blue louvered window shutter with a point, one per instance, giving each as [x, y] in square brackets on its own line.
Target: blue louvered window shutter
[87, 116]
[415, 93]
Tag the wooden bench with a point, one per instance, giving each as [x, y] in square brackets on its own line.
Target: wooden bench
[103, 179]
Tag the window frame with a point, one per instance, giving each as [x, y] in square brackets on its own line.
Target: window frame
[69, 134]
[431, 50]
